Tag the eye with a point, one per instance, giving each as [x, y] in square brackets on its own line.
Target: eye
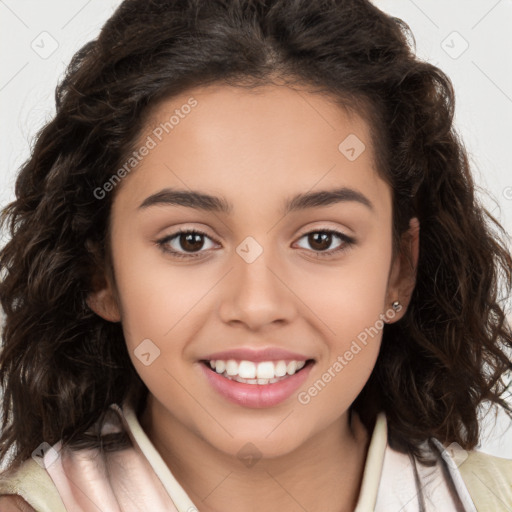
[321, 239]
[191, 241]
[187, 243]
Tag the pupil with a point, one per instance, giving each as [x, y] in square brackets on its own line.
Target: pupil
[192, 242]
[322, 239]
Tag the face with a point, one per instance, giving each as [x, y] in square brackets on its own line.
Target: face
[271, 270]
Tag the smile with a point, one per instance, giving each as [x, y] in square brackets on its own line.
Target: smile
[249, 372]
[256, 385]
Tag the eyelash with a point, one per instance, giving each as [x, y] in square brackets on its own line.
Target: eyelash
[348, 242]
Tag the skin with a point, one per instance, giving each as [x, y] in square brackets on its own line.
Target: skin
[257, 149]
[14, 503]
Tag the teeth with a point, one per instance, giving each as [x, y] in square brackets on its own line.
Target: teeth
[219, 367]
[291, 368]
[247, 370]
[231, 367]
[280, 369]
[264, 372]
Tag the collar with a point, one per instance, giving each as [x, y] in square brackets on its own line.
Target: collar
[373, 466]
[369, 485]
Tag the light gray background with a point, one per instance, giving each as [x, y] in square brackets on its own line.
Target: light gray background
[470, 40]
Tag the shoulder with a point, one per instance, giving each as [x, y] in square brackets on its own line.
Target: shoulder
[488, 477]
[486, 462]
[482, 482]
[29, 488]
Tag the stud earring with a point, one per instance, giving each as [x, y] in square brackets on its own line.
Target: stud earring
[396, 305]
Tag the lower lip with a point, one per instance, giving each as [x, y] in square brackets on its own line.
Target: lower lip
[256, 395]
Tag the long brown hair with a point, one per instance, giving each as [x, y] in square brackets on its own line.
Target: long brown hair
[62, 365]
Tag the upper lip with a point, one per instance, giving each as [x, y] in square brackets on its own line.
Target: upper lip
[251, 354]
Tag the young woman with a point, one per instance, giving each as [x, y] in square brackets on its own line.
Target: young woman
[248, 271]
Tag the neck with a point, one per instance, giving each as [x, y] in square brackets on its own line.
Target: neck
[322, 475]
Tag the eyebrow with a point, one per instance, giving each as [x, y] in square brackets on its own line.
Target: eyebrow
[209, 203]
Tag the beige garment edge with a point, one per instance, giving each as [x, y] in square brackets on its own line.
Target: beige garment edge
[489, 481]
[178, 495]
[34, 485]
[373, 466]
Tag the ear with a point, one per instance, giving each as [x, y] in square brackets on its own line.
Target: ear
[102, 302]
[402, 279]
[103, 299]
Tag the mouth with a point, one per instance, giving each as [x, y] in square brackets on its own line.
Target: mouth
[262, 373]
[253, 384]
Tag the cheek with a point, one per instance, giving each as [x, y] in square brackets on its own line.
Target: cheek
[348, 297]
[352, 344]
[155, 295]
[349, 304]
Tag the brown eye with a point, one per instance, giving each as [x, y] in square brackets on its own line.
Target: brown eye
[320, 242]
[190, 242]
[185, 244]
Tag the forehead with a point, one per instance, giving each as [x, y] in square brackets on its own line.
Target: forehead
[250, 144]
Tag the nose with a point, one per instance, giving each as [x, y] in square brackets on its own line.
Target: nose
[258, 293]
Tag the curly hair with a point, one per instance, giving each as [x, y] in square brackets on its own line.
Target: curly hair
[61, 365]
